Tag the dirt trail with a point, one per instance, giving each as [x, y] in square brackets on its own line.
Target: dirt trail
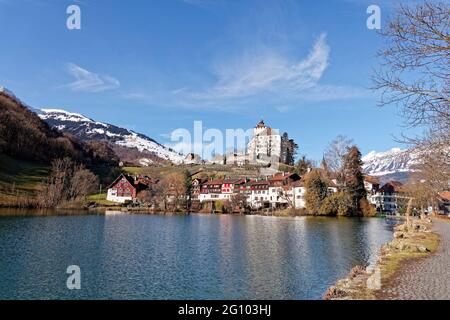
[428, 278]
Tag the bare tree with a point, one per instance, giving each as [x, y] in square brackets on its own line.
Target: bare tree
[67, 182]
[415, 73]
[430, 178]
[239, 201]
[288, 197]
[335, 154]
[415, 76]
[416, 65]
[172, 190]
[82, 183]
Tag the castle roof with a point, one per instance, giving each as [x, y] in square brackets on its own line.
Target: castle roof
[261, 124]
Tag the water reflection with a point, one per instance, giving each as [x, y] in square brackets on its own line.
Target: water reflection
[183, 257]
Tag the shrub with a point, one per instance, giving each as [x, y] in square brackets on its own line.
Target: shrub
[367, 209]
[337, 204]
[316, 191]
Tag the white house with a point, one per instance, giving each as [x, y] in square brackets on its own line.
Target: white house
[387, 198]
[299, 197]
[259, 196]
[292, 195]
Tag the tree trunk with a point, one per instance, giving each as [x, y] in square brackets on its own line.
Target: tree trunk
[408, 214]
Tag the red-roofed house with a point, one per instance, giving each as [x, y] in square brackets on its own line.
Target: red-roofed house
[444, 202]
[125, 188]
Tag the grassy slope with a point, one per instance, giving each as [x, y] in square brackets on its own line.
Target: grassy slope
[25, 177]
[209, 170]
[158, 172]
[100, 199]
[18, 176]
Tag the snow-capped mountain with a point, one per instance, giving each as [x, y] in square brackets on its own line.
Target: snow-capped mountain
[129, 145]
[146, 149]
[393, 164]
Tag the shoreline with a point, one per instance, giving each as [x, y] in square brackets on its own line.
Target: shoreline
[408, 244]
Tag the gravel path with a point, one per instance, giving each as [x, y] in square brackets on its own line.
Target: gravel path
[428, 278]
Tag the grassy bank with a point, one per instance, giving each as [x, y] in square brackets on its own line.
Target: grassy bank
[19, 179]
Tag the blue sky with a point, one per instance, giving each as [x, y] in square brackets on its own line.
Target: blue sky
[155, 66]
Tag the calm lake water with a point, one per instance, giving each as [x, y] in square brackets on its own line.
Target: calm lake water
[182, 257]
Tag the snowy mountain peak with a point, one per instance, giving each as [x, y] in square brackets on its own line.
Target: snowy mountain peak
[63, 115]
[85, 128]
[389, 162]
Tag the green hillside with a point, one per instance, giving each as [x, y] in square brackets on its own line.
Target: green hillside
[19, 178]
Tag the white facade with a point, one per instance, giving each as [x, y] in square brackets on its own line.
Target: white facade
[280, 196]
[237, 159]
[257, 198]
[265, 145]
[112, 196]
[293, 197]
[385, 201]
[214, 196]
[299, 197]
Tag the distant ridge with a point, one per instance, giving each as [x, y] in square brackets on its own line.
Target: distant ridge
[395, 164]
[141, 149]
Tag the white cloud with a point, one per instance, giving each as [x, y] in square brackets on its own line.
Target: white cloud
[259, 77]
[90, 82]
[249, 74]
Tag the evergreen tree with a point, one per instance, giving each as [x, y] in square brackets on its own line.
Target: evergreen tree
[354, 178]
[303, 165]
[316, 191]
[187, 181]
[288, 150]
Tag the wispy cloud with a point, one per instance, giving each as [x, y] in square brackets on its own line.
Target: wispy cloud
[259, 76]
[268, 71]
[88, 81]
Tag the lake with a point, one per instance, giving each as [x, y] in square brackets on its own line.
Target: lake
[126, 256]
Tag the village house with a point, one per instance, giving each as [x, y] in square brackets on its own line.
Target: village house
[277, 191]
[211, 190]
[282, 191]
[219, 189]
[195, 193]
[236, 159]
[192, 158]
[386, 198]
[126, 188]
[444, 202]
[372, 184]
[299, 192]
[196, 188]
[259, 197]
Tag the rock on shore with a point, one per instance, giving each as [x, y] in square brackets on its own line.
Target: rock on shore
[410, 241]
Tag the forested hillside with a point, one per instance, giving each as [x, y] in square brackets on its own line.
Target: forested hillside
[24, 136]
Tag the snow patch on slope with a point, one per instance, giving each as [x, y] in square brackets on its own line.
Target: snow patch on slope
[142, 144]
[393, 161]
[62, 115]
[87, 129]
